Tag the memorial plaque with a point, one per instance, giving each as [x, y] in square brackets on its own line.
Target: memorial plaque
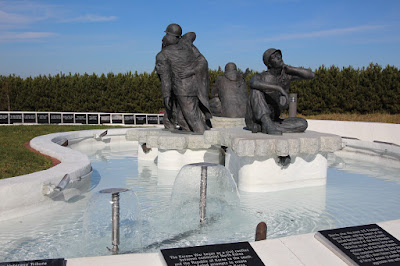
[48, 262]
[116, 119]
[93, 119]
[362, 245]
[3, 118]
[161, 119]
[43, 118]
[129, 120]
[55, 118]
[140, 119]
[15, 118]
[152, 119]
[29, 118]
[105, 119]
[68, 118]
[80, 118]
[212, 255]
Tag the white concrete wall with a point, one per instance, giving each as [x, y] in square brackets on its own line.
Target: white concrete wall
[24, 194]
[362, 130]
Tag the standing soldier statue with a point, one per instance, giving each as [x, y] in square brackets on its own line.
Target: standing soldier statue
[183, 72]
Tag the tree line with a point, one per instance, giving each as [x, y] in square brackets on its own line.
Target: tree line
[370, 89]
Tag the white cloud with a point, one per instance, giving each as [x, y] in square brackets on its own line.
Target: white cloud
[24, 36]
[91, 18]
[322, 33]
[11, 18]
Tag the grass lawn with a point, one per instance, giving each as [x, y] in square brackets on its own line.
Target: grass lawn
[16, 160]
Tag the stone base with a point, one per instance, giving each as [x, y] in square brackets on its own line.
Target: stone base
[226, 122]
[250, 157]
[176, 159]
[263, 174]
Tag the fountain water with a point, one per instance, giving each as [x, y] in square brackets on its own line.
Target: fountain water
[103, 223]
[214, 190]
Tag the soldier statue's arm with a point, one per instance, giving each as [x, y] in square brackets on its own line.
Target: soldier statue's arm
[258, 83]
[299, 72]
[163, 69]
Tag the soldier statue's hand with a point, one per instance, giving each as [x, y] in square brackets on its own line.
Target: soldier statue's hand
[167, 102]
[186, 74]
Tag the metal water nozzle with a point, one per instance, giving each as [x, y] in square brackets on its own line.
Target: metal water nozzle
[115, 217]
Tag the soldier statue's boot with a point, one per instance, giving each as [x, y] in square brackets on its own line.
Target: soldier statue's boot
[268, 126]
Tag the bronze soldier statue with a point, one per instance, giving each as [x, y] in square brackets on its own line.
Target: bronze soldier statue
[269, 96]
[183, 72]
[229, 94]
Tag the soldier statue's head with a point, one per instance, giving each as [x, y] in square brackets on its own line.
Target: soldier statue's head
[272, 58]
[172, 36]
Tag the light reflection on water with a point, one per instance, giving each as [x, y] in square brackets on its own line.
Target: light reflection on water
[349, 198]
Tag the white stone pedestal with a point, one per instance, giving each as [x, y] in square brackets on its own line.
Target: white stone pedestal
[263, 174]
[176, 159]
[252, 158]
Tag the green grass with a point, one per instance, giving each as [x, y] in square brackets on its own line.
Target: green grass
[16, 159]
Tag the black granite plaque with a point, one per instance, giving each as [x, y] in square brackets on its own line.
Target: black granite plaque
[116, 119]
[68, 118]
[80, 118]
[140, 119]
[362, 245]
[212, 255]
[43, 118]
[55, 118]
[29, 118]
[161, 119]
[93, 119]
[105, 119]
[3, 118]
[129, 120]
[48, 262]
[152, 119]
[15, 118]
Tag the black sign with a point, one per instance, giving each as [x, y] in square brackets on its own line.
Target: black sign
[129, 120]
[93, 118]
[117, 119]
[80, 118]
[140, 119]
[105, 119]
[224, 254]
[43, 118]
[152, 119]
[362, 245]
[3, 118]
[55, 118]
[29, 118]
[161, 117]
[48, 262]
[15, 118]
[68, 118]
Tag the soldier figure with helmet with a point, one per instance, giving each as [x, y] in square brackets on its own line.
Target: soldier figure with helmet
[269, 96]
[183, 72]
[229, 93]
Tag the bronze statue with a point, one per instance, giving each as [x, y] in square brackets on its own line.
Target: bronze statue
[269, 96]
[229, 94]
[183, 72]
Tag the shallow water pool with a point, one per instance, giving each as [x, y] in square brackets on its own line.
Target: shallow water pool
[357, 192]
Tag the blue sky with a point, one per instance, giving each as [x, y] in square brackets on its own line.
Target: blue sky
[49, 37]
